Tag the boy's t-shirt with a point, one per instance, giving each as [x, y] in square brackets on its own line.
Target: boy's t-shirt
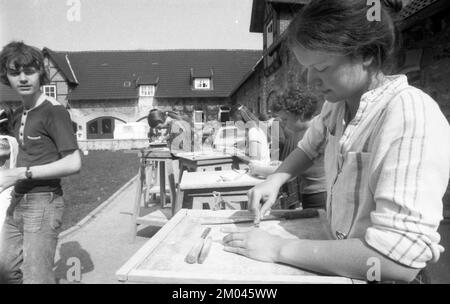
[45, 134]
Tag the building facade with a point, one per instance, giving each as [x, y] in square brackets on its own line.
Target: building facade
[109, 93]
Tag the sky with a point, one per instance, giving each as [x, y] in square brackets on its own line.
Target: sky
[80, 25]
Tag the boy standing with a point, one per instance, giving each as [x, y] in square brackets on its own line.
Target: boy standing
[48, 150]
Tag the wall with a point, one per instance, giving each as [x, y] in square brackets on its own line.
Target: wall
[260, 88]
[56, 78]
[112, 144]
[84, 111]
[432, 36]
[210, 105]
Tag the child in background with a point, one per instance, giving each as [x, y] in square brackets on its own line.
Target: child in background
[299, 108]
[178, 130]
[387, 152]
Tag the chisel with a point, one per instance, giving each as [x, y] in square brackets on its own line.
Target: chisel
[194, 253]
[275, 215]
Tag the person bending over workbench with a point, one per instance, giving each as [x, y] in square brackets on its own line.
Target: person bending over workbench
[387, 153]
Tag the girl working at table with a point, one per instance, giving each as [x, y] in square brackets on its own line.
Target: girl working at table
[178, 130]
[387, 152]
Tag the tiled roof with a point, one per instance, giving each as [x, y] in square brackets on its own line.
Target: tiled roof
[116, 74]
[102, 75]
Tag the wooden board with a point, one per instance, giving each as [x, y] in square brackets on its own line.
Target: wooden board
[213, 179]
[202, 155]
[161, 259]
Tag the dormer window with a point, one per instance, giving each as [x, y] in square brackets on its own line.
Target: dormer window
[146, 90]
[202, 83]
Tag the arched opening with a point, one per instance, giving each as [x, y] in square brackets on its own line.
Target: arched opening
[101, 127]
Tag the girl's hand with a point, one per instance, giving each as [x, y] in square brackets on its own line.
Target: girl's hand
[265, 193]
[253, 243]
[261, 169]
[9, 177]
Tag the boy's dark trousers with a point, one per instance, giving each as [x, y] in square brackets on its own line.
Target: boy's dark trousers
[29, 237]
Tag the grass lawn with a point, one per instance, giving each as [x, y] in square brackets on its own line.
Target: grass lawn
[102, 174]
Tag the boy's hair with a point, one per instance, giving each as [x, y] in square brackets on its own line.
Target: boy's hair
[342, 27]
[22, 55]
[300, 103]
[6, 127]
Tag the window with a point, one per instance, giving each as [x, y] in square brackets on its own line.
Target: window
[107, 126]
[202, 83]
[199, 117]
[147, 90]
[224, 114]
[93, 128]
[100, 128]
[49, 90]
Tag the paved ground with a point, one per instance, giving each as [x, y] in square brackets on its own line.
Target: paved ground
[103, 245]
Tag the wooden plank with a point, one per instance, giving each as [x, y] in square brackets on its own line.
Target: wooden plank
[217, 179]
[196, 156]
[161, 260]
[159, 218]
[147, 249]
[174, 277]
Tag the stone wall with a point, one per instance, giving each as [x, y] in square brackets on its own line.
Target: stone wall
[209, 106]
[84, 111]
[128, 111]
[260, 88]
[432, 36]
[112, 144]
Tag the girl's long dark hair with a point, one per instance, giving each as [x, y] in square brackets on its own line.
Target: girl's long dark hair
[343, 26]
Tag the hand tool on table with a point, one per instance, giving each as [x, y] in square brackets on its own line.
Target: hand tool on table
[196, 250]
[274, 215]
[205, 250]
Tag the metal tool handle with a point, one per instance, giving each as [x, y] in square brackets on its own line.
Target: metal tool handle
[205, 250]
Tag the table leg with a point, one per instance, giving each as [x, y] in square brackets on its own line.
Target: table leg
[171, 178]
[148, 183]
[162, 183]
[137, 202]
[179, 201]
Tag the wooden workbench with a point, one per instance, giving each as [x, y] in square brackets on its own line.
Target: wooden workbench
[202, 184]
[162, 258]
[192, 161]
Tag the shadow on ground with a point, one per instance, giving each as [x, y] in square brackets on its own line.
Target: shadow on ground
[74, 261]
